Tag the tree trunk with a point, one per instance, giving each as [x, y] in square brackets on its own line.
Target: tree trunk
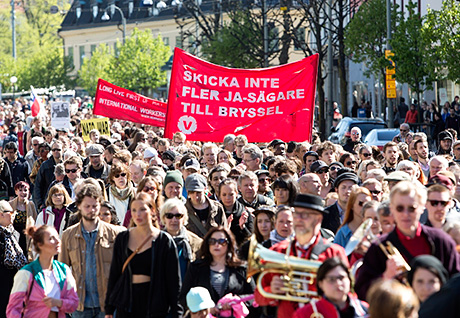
[321, 102]
[286, 38]
[341, 62]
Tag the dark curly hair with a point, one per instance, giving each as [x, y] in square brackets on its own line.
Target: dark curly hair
[205, 254]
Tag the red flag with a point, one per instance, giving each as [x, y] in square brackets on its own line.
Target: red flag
[36, 104]
[116, 102]
[208, 101]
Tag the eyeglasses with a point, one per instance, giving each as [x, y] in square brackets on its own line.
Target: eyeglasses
[438, 202]
[376, 192]
[333, 279]
[71, 170]
[304, 215]
[170, 216]
[366, 154]
[123, 174]
[148, 189]
[57, 195]
[221, 241]
[402, 208]
[262, 180]
[322, 171]
[56, 149]
[349, 163]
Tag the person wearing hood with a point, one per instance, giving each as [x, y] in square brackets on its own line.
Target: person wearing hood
[445, 142]
[427, 276]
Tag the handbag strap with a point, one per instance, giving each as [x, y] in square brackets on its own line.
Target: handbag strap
[26, 301]
[135, 252]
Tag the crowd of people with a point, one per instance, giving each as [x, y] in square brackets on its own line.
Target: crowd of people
[133, 224]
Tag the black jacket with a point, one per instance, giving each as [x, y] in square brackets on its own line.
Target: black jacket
[241, 234]
[19, 170]
[165, 275]
[199, 274]
[43, 180]
[331, 219]
[445, 303]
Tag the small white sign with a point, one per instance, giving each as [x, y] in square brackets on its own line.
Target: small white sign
[60, 115]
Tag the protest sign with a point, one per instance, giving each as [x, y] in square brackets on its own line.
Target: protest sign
[60, 115]
[120, 103]
[208, 101]
[101, 124]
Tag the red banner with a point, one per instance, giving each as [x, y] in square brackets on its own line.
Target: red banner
[208, 101]
[116, 102]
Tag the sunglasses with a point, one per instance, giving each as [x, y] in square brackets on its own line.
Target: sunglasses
[170, 216]
[221, 241]
[262, 180]
[323, 171]
[367, 155]
[361, 203]
[355, 133]
[438, 202]
[375, 192]
[35, 145]
[121, 174]
[410, 209]
[10, 212]
[334, 168]
[403, 130]
[56, 149]
[147, 189]
[349, 163]
[71, 170]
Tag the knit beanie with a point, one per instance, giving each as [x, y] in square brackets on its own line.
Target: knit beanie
[173, 176]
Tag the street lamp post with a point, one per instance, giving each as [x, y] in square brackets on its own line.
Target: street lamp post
[13, 28]
[13, 81]
[106, 17]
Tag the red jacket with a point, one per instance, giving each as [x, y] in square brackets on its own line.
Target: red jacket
[328, 310]
[286, 309]
[411, 117]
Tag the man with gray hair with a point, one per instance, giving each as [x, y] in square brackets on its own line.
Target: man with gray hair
[248, 185]
[355, 138]
[229, 142]
[252, 157]
[438, 163]
[33, 154]
[403, 131]
[410, 238]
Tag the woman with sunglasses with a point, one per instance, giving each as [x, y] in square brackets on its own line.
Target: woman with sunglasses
[348, 160]
[12, 257]
[147, 285]
[173, 215]
[57, 212]
[150, 185]
[218, 268]
[353, 215]
[121, 191]
[333, 283]
[26, 214]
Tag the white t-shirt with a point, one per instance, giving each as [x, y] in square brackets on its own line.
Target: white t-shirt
[51, 286]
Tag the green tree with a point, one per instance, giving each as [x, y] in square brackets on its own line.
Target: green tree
[95, 67]
[410, 47]
[138, 64]
[365, 36]
[442, 31]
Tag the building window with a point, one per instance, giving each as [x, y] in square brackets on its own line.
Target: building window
[93, 48]
[191, 44]
[299, 42]
[70, 55]
[166, 41]
[179, 42]
[82, 54]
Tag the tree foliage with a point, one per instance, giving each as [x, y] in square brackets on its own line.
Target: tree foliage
[138, 64]
[442, 31]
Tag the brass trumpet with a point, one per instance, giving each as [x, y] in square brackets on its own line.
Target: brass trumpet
[391, 251]
[298, 274]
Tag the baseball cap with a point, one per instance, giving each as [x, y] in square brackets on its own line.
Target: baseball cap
[191, 163]
[198, 298]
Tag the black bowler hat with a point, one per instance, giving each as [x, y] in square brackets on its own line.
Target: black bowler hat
[309, 201]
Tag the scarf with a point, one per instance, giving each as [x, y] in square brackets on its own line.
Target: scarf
[275, 237]
[123, 194]
[13, 255]
[183, 244]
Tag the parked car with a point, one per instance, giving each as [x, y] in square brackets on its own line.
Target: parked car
[379, 137]
[342, 131]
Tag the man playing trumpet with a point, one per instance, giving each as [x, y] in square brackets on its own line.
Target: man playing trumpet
[307, 244]
[409, 238]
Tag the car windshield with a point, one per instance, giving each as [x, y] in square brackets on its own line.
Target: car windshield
[367, 127]
[386, 134]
